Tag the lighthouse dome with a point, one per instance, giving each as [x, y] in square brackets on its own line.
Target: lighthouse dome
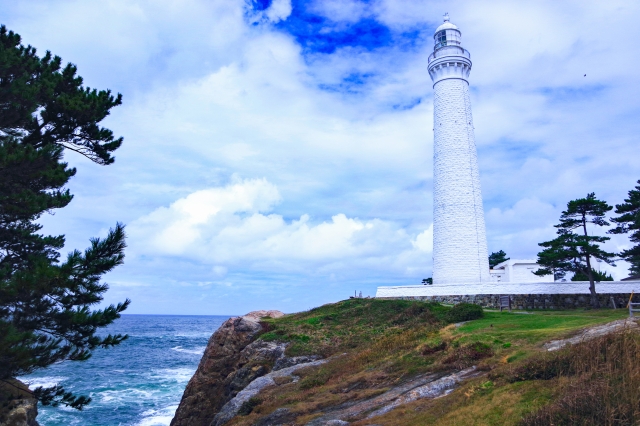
[446, 26]
[446, 34]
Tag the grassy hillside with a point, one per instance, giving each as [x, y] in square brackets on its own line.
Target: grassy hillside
[378, 344]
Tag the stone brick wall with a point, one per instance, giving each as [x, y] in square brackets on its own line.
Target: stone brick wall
[529, 301]
[459, 236]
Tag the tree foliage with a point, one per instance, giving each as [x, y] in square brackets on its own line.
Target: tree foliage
[628, 221]
[497, 257]
[45, 302]
[42, 103]
[573, 248]
[597, 276]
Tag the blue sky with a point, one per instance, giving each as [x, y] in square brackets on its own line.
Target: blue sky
[278, 153]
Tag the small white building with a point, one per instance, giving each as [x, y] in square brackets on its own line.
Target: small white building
[518, 271]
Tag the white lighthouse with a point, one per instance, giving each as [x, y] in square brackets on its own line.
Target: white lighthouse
[459, 236]
[460, 261]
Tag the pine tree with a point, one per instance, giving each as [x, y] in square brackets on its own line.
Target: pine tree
[629, 222]
[497, 258]
[573, 249]
[597, 276]
[45, 302]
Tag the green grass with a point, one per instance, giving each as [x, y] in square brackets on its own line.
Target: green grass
[540, 326]
[382, 343]
[350, 324]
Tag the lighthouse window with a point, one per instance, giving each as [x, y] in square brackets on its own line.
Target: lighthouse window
[441, 39]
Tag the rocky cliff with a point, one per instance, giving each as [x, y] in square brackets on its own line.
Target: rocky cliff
[231, 361]
[17, 406]
[395, 363]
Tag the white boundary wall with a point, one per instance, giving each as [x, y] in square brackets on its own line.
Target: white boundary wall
[572, 287]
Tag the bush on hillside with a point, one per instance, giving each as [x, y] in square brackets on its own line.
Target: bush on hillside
[600, 386]
[467, 355]
[247, 407]
[464, 312]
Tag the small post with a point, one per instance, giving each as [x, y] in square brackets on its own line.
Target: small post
[613, 302]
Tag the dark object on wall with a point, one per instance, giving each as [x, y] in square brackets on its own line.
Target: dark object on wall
[505, 303]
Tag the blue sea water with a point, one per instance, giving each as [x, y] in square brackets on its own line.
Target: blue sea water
[137, 383]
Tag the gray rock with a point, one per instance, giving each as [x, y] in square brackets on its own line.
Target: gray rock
[435, 389]
[214, 383]
[592, 333]
[230, 409]
[279, 417]
[285, 362]
[17, 406]
[427, 386]
[23, 414]
[254, 359]
[241, 378]
[262, 352]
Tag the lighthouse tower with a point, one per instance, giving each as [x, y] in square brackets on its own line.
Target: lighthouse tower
[459, 236]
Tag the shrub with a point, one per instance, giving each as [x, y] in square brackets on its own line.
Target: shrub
[600, 386]
[311, 382]
[465, 356]
[543, 367]
[433, 347]
[302, 338]
[247, 407]
[464, 312]
[270, 336]
[317, 378]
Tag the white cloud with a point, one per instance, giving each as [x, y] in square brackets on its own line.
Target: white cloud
[424, 240]
[229, 227]
[279, 10]
[176, 228]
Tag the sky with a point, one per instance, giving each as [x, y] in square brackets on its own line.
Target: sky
[278, 153]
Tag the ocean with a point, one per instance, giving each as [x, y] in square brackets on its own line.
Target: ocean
[140, 382]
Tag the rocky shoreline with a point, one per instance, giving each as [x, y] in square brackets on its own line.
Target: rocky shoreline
[17, 406]
[366, 361]
[234, 368]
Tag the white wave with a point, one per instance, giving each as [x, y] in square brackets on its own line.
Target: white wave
[45, 382]
[199, 335]
[122, 396]
[196, 351]
[160, 417]
[180, 375]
